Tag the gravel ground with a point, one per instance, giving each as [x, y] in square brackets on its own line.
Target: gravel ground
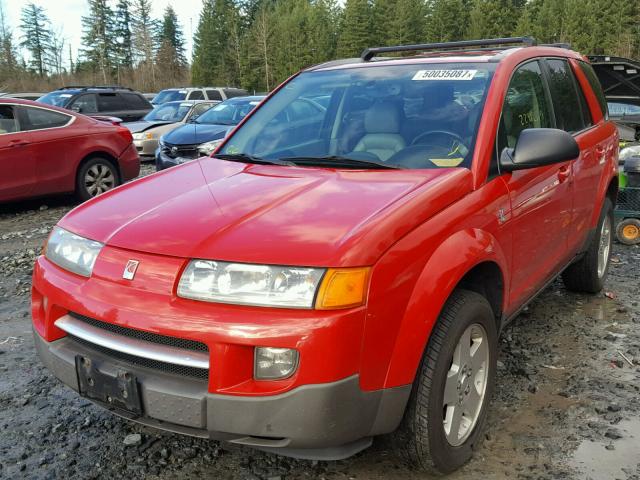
[566, 403]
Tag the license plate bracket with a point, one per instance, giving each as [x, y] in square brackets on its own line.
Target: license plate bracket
[119, 392]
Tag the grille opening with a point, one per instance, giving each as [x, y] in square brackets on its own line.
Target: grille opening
[199, 373]
[142, 335]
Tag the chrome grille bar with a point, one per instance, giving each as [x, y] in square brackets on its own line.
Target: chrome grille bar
[132, 346]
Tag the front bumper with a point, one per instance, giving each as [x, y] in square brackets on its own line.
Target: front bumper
[146, 147]
[164, 161]
[327, 421]
[320, 412]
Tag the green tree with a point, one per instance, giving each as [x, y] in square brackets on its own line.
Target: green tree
[447, 20]
[171, 53]
[8, 58]
[36, 36]
[492, 18]
[407, 23]
[123, 36]
[205, 42]
[144, 42]
[98, 38]
[355, 33]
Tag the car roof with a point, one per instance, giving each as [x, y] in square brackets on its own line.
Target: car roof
[32, 103]
[471, 51]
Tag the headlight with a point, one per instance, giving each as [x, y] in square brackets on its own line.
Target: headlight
[245, 284]
[72, 252]
[138, 136]
[274, 286]
[209, 147]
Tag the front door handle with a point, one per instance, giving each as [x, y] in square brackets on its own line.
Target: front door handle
[18, 143]
[564, 173]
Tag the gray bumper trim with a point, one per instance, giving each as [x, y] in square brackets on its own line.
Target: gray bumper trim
[320, 421]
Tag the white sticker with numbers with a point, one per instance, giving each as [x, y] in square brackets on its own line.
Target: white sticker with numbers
[444, 75]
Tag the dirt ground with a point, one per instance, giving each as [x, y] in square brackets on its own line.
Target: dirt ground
[566, 404]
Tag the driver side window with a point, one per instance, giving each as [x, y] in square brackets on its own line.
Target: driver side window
[525, 105]
[85, 104]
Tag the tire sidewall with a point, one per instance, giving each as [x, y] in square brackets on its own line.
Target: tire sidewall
[446, 457]
[619, 235]
[81, 189]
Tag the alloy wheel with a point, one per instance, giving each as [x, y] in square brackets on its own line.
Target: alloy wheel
[604, 246]
[466, 384]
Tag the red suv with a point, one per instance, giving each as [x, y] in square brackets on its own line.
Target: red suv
[46, 150]
[331, 276]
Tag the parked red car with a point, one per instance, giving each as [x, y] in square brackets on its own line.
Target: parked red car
[331, 276]
[46, 150]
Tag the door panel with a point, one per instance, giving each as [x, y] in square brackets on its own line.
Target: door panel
[17, 166]
[541, 198]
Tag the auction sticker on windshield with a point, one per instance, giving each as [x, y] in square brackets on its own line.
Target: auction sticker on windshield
[444, 74]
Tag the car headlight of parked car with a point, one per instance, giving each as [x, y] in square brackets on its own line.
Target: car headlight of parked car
[72, 252]
[273, 286]
[209, 147]
[144, 136]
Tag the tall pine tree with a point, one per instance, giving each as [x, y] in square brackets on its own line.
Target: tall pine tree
[36, 36]
[355, 30]
[123, 36]
[171, 53]
[98, 38]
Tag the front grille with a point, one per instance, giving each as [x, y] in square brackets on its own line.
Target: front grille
[182, 151]
[199, 373]
[629, 199]
[142, 335]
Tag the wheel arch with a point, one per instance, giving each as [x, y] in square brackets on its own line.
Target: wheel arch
[471, 259]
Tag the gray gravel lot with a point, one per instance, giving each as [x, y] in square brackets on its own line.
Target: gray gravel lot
[566, 404]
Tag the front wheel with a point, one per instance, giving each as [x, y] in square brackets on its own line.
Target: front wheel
[96, 176]
[589, 273]
[447, 410]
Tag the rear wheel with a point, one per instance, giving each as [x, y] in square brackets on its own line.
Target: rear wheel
[444, 419]
[628, 231]
[96, 176]
[589, 273]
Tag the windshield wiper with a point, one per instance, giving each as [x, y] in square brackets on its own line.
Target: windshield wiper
[246, 158]
[341, 162]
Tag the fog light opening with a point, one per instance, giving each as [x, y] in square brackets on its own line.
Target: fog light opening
[275, 363]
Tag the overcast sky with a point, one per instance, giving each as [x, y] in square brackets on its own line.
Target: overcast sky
[66, 15]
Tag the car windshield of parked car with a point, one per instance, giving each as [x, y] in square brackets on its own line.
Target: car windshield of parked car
[57, 99]
[168, 112]
[227, 113]
[169, 96]
[380, 115]
[623, 109]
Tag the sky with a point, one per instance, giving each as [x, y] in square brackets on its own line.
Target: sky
[66, 15]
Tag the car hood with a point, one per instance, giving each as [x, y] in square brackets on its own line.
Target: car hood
[215, 209]
[143, 125]
[195, 133]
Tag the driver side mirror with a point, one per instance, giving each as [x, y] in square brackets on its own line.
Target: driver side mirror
[76, 108]
[537, 147]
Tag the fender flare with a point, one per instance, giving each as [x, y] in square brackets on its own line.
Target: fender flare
[443, 271]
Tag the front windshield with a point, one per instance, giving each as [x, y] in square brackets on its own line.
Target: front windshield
[57, 99]
[168, 112]
[620, 109]
[407, 116]
[169, 96]
[227, 113]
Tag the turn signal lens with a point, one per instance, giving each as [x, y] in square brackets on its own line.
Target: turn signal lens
[343, 288]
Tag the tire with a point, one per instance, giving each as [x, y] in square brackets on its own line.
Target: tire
[422, 435]
[588, 274]
[104, 174]
[628, 231]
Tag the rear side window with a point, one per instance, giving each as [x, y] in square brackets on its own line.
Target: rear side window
[595, 86]
[196, 95]
[564, 95]
[215, 95]
[38, 119]
[525, 105]
[8, 122]
[85, 104]
[111, 102]
[135, 101]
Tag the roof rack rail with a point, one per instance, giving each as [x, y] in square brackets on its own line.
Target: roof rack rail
[369, 53]
[566, 46]
[87, 87]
